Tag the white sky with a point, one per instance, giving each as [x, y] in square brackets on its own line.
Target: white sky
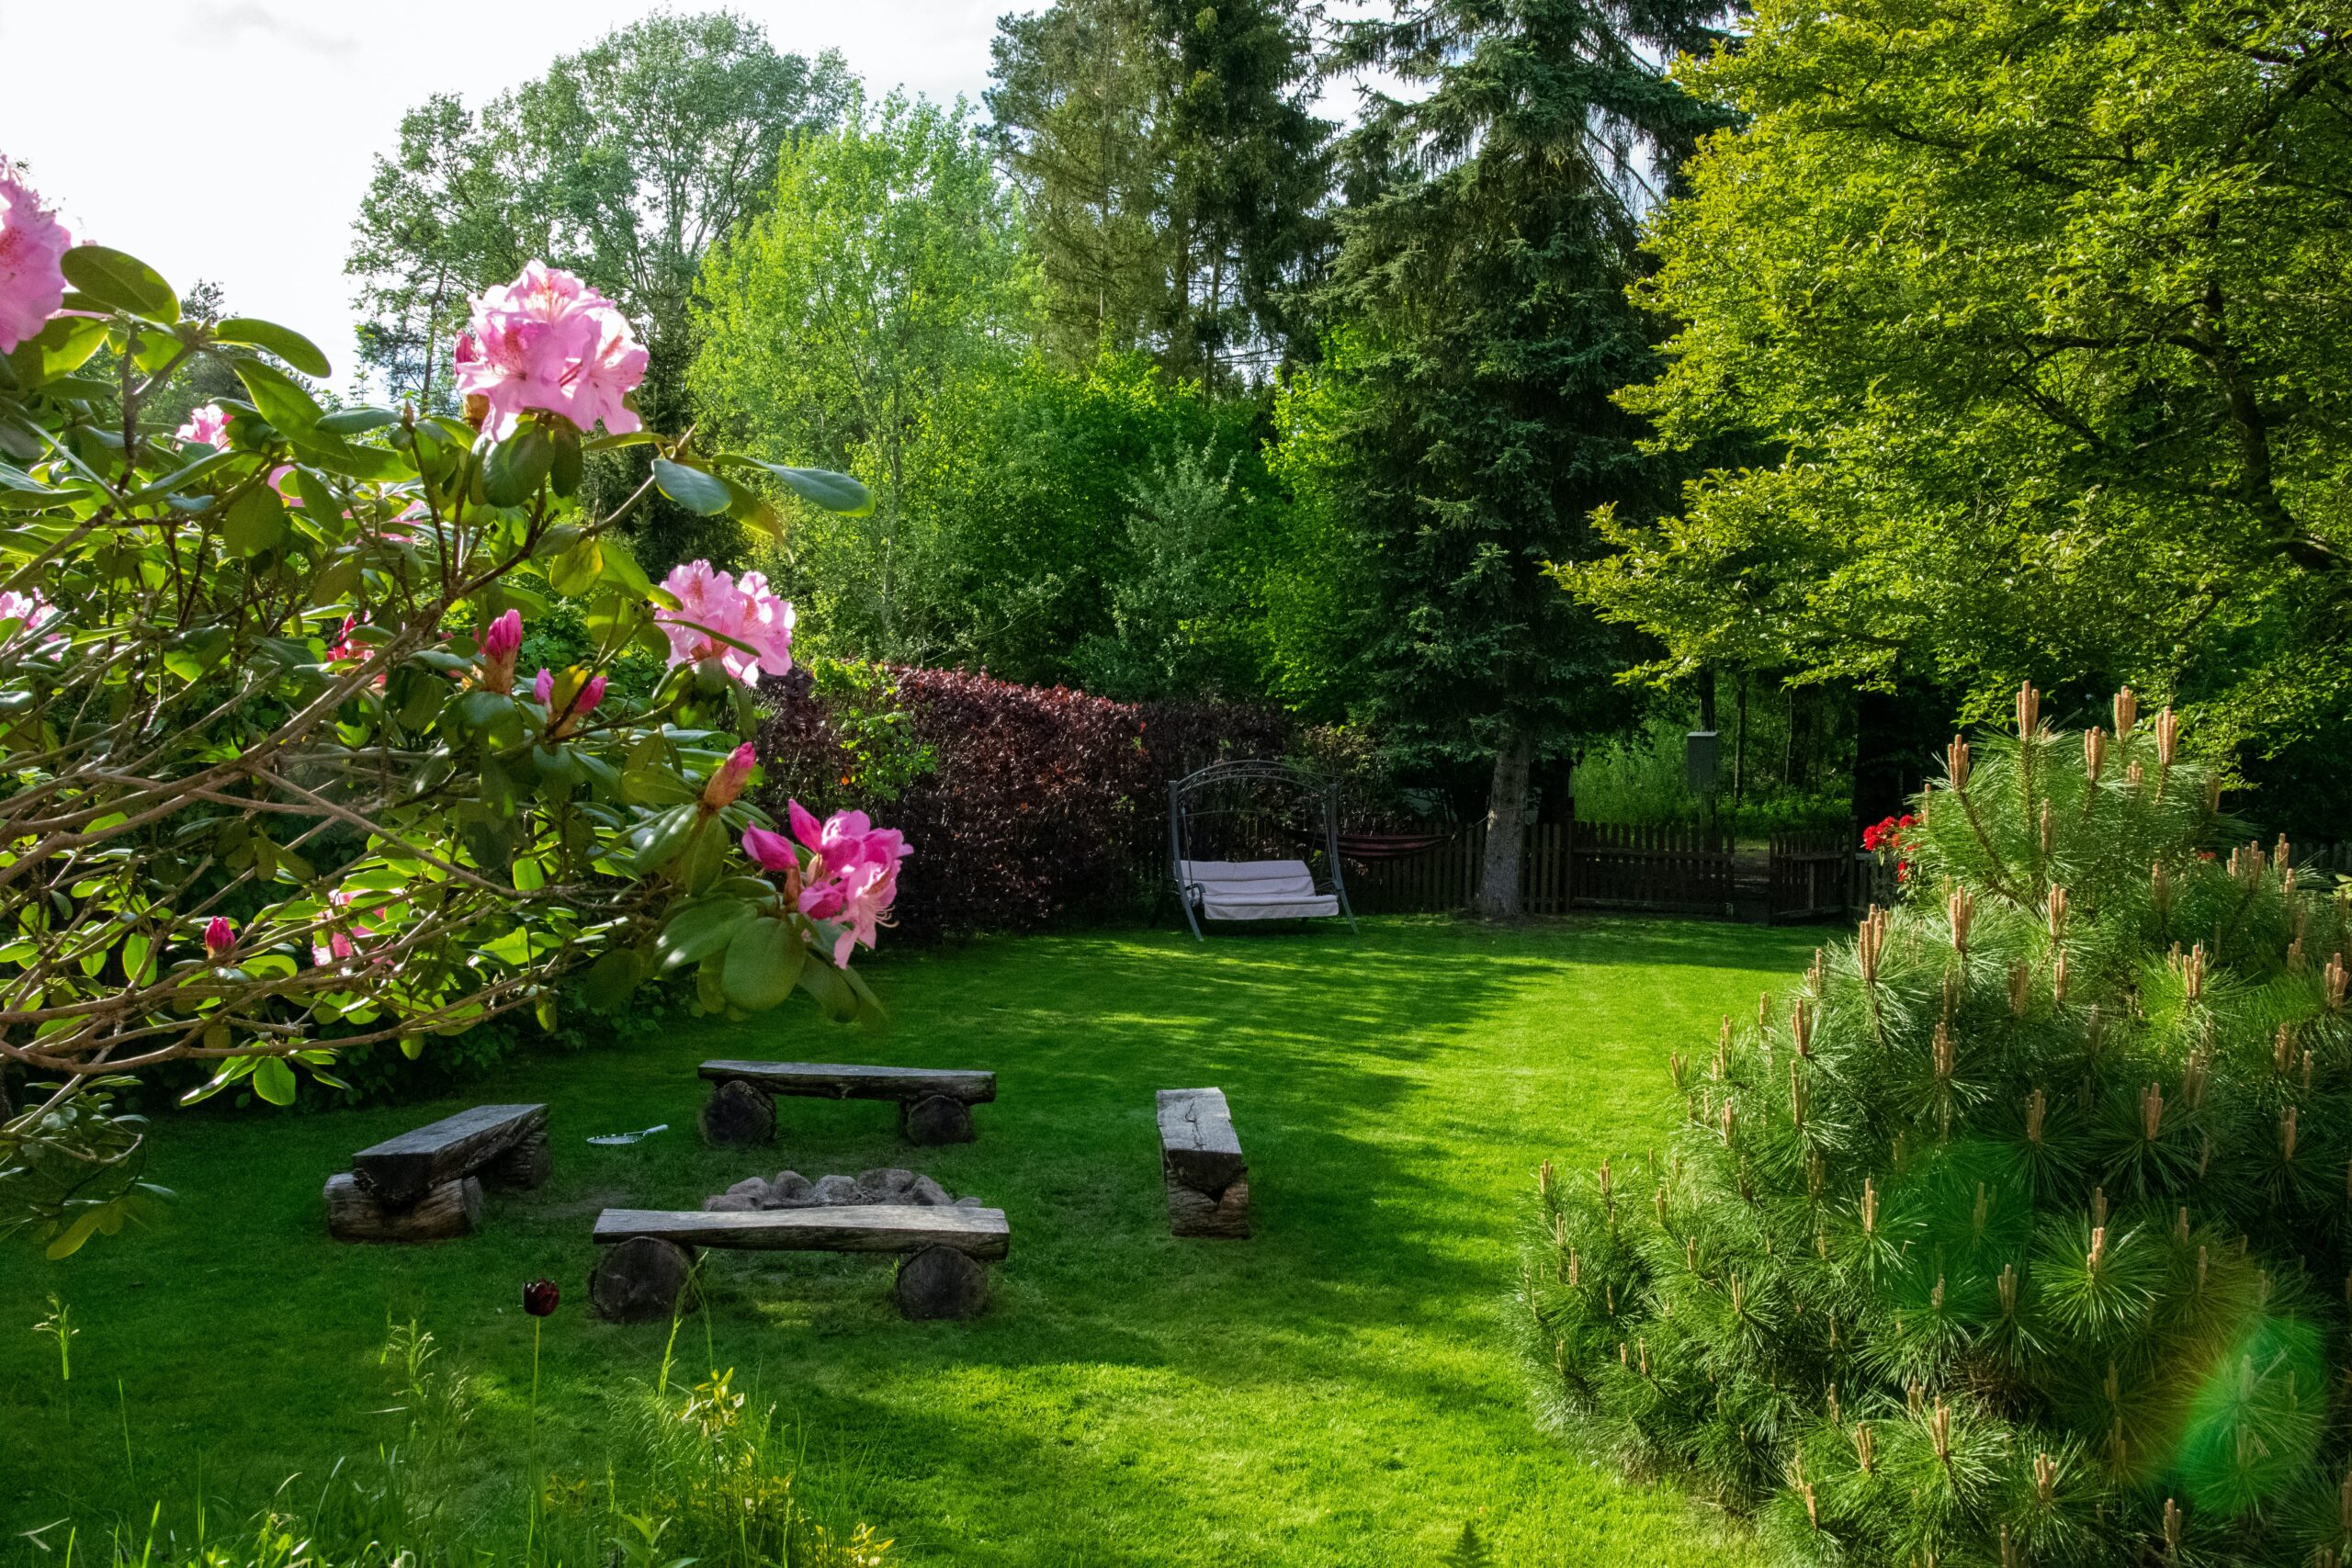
[164, 161]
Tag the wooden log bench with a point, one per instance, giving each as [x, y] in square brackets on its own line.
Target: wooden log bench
[935, 1104]
[1199, 1154]
[647, 1269]
[426, 1185]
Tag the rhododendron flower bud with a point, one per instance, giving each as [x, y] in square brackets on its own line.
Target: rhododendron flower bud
[590, 695]
[499, 643]
[548, 341]
[543, 687]
[770, 850]
[728, 781]
[218, 937]
[32, 280]
[207, 426]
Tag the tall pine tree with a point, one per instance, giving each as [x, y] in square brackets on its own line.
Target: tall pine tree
[1485, 268]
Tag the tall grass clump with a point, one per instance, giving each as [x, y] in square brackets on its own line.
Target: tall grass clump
[2016, 1235]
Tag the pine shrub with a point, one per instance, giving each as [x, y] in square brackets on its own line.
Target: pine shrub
[2016, 1236]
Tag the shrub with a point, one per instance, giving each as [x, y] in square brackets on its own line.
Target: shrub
[2018, 1235]
[1040, 803]
[281, 783]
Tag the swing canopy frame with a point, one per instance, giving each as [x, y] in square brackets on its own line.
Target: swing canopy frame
[1256, 839]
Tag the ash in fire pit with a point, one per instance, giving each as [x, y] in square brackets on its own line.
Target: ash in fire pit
[790, 1190]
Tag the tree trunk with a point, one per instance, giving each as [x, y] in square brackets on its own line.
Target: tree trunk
[1506, 830]
[1739, 744]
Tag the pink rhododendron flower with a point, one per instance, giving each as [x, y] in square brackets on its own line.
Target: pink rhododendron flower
[867, 895]
[547, 341]
[31, 612]
[728, 781]
[32, 282]
[336, 941]
[207, 426]
[218, 938]
[853, 870]
[500, 641]
[744, 610]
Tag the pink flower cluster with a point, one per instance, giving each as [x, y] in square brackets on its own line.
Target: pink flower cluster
[742, 610]
[546, 341]
[850, 872]
[32, 279]
[337, 942]
[30, 611]
[207, 426]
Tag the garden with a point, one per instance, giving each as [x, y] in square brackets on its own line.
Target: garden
[1593, 813]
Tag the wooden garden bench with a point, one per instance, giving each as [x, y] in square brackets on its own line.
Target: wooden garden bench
[935, 1104]
[426, 1185]
[1200, 1155]
[652, 1251]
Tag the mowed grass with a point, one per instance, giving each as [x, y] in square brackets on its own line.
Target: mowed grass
[1338, 1390]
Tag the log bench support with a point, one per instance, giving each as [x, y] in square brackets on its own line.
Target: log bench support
[427, 1185]
[647, 1269]
[1200, 1155]
[935, 1104]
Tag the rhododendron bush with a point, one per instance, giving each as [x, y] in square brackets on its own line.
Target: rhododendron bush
[280, 779]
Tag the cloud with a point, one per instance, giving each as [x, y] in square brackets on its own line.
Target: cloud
[216, 25]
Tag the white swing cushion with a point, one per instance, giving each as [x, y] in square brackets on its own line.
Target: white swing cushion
[1254, 889]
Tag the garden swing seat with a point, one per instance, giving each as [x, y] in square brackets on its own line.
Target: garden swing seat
[1228, 826]
[1254, 889]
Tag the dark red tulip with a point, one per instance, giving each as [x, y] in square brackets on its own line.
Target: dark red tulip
[539, 1298]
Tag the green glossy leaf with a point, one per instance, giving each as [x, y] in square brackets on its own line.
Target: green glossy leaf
[518, 465]
[764, 963]
[822, 487]
[274, 1080]
[660, 840]
[284, 342]
[612, 980]
[691, 488]
[358, 421]
[278, 397]
[564, 474]
[122, 282]
[256, 522]
[830, 990]
[693, 931]
[655, 786]
[60, 348]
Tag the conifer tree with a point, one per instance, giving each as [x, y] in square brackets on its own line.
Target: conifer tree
[1485, 270]
[2016, 1235]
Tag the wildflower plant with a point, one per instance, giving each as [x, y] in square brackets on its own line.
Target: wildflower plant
[280, 782]
[2017, 1234]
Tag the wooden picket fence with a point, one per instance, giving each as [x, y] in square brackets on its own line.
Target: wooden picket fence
[1564, 865]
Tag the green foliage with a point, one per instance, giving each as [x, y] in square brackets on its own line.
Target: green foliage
[1485, 274]
[2040, 304]
[277, 791]
[623, 163]
[1174, 175]
[860, 323]
[2022, 1237]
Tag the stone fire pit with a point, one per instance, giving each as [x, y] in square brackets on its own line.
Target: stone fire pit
[790, 1190]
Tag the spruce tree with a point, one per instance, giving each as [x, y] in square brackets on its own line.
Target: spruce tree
[2017, 1234]
[1484, 271]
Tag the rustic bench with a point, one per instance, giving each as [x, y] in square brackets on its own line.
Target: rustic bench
[648, 1267]
[934, 1105]
[1199, 1154]
[426, 1185]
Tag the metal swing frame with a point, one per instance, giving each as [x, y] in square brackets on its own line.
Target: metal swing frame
[1304, 782]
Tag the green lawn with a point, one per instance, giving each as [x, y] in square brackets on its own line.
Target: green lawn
[1336, 1390]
